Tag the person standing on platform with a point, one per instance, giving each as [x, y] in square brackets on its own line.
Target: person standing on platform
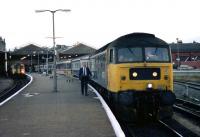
[84, 76]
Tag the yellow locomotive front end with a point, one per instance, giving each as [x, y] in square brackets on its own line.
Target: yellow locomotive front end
[140, 76]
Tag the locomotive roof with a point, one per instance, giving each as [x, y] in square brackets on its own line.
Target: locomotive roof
[135, 39]
[138, 39]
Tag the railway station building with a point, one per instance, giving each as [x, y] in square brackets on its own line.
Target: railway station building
[186, 55]
[76, 51]
[31, 55]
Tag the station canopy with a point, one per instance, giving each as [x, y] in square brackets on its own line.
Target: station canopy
[77, 50]
[29, 49]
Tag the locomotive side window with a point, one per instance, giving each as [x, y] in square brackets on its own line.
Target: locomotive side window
[157, 54]
[111, 55]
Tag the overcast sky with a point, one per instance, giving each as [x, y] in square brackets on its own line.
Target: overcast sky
[97, 22]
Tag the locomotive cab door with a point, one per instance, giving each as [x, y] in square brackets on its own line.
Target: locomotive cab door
[111, 60]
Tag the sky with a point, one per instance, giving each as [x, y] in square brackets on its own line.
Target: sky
[97, 22]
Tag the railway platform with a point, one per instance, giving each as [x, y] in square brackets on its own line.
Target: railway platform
[37, 111]
[5, 83]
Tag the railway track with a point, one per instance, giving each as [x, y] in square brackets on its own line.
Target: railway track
[188, 108]
[164, 128]
[149, 128]
[161, 128]
[191, 106]
[18, 84]
[170, 130]
[191, 85]
[190, 91]
[171, 127]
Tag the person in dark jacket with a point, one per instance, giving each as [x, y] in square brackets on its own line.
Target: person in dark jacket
[84, 76]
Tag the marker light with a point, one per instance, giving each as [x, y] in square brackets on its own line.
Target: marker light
[155, 74]
[149, 85]
[134, 74]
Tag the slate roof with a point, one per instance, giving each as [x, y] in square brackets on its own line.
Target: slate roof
[185, 47]
[29, 49]
[79, 49]
[61, 48]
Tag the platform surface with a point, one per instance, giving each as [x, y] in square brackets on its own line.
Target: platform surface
[39, 112]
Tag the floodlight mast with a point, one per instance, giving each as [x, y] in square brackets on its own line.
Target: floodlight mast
[54, 43]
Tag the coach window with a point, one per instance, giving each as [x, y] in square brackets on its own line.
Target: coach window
[111, 55]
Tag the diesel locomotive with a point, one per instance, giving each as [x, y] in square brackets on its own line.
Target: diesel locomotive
[135, 71]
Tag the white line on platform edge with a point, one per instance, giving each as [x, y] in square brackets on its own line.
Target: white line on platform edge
[117, 128]
[18, 91]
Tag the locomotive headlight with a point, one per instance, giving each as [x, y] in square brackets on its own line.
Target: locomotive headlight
[155, 74]
[149, 85]
[22, 71]
[135, 74]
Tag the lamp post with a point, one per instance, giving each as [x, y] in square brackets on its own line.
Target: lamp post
[32, 66]
[47, 62]
[53, 12]
[38, 68]
[30, 69]
[31, 54]
[6, 63]
[39, 60]
[178, 58]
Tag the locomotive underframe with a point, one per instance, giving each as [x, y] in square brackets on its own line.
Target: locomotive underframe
[155, 102]
[150, 96]
[158, 103]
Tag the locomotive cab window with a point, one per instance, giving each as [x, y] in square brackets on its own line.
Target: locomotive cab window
[130, 54]
[157, 54]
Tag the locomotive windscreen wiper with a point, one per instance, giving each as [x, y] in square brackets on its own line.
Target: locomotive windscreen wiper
[156, 51]
[131, 51]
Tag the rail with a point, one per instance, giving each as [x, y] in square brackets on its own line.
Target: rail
[170, 130]
[14, 91]
[188, 85]
[187, 107]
